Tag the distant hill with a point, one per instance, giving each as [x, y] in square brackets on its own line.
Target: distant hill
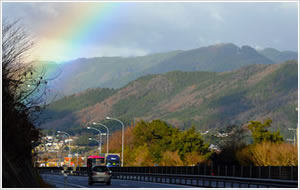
[116, 72]
[279, 56]
[75, 102]
[215, 58]
[205, 99]
[106, 72]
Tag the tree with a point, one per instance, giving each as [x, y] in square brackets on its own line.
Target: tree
[230, 144]
[269, 154]
[191, 141]
[235, 135]
[23, 89]
[193, 158]
[139, 132]
[157, 135]
[171, 159]
[164, 141]
[261, 134]
[83, 139]
[140, 156]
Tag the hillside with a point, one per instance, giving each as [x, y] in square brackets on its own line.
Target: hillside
[279, 56]
[116, 72]
[106, 72]
[75, 102]
[216, 58]
[205, 99]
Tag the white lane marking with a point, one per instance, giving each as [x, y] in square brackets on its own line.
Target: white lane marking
[163, 184]
[71, 184]
[145, 182]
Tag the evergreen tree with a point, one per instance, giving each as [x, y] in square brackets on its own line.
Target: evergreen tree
[261, 134]
[191, 141]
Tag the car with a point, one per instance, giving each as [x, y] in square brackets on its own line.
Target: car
[99, 174]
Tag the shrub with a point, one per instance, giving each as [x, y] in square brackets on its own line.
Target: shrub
[171, 159]
[142, 157]
[194, 158]
[269, 154]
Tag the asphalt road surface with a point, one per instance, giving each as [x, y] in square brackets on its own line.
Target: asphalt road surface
[82, 182]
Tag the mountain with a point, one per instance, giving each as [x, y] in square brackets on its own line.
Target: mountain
[116, 72]
[204, 99]
[215, 58]
[111, 72]
[278, 56]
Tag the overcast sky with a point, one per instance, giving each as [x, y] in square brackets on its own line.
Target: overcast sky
[65, 31]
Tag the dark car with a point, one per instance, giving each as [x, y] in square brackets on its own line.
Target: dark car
[99, 174]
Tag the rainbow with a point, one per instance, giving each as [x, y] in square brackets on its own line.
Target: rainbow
[81, 23]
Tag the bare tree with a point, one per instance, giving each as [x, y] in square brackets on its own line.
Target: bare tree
[23, 99]
[24, 88]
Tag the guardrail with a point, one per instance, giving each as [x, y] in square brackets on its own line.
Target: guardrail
[207, 181]
[79, 171]
[182, 179]
[269, 172]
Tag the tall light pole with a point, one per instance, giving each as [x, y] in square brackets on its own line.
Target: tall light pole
[77, 156]
[296, 131]
[69, 143]
[91, 139]
[292, 129]
[107, 137]
[297, 127]
[122, 136]
[100, 138]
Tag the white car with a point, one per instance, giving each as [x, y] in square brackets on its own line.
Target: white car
[99, 174]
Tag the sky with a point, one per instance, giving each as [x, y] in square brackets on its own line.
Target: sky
[69, 30]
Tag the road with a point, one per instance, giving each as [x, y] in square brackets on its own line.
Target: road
[82, 182]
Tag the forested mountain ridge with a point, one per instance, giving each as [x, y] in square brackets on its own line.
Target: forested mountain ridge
[216, 58]
[204, 99]
[115, 72]
[278, 56]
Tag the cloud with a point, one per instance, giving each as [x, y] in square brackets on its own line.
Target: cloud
[148, 27]
[289, 6]
[258, 47]
[177, 15]
[108, 50]
[45, 9]
[217, 16]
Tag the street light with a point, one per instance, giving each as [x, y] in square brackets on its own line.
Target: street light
[122, 136]
[292, 129]
[69, 143]
[92, 139]
[77, 155]
[100, 138]
[107, 137]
